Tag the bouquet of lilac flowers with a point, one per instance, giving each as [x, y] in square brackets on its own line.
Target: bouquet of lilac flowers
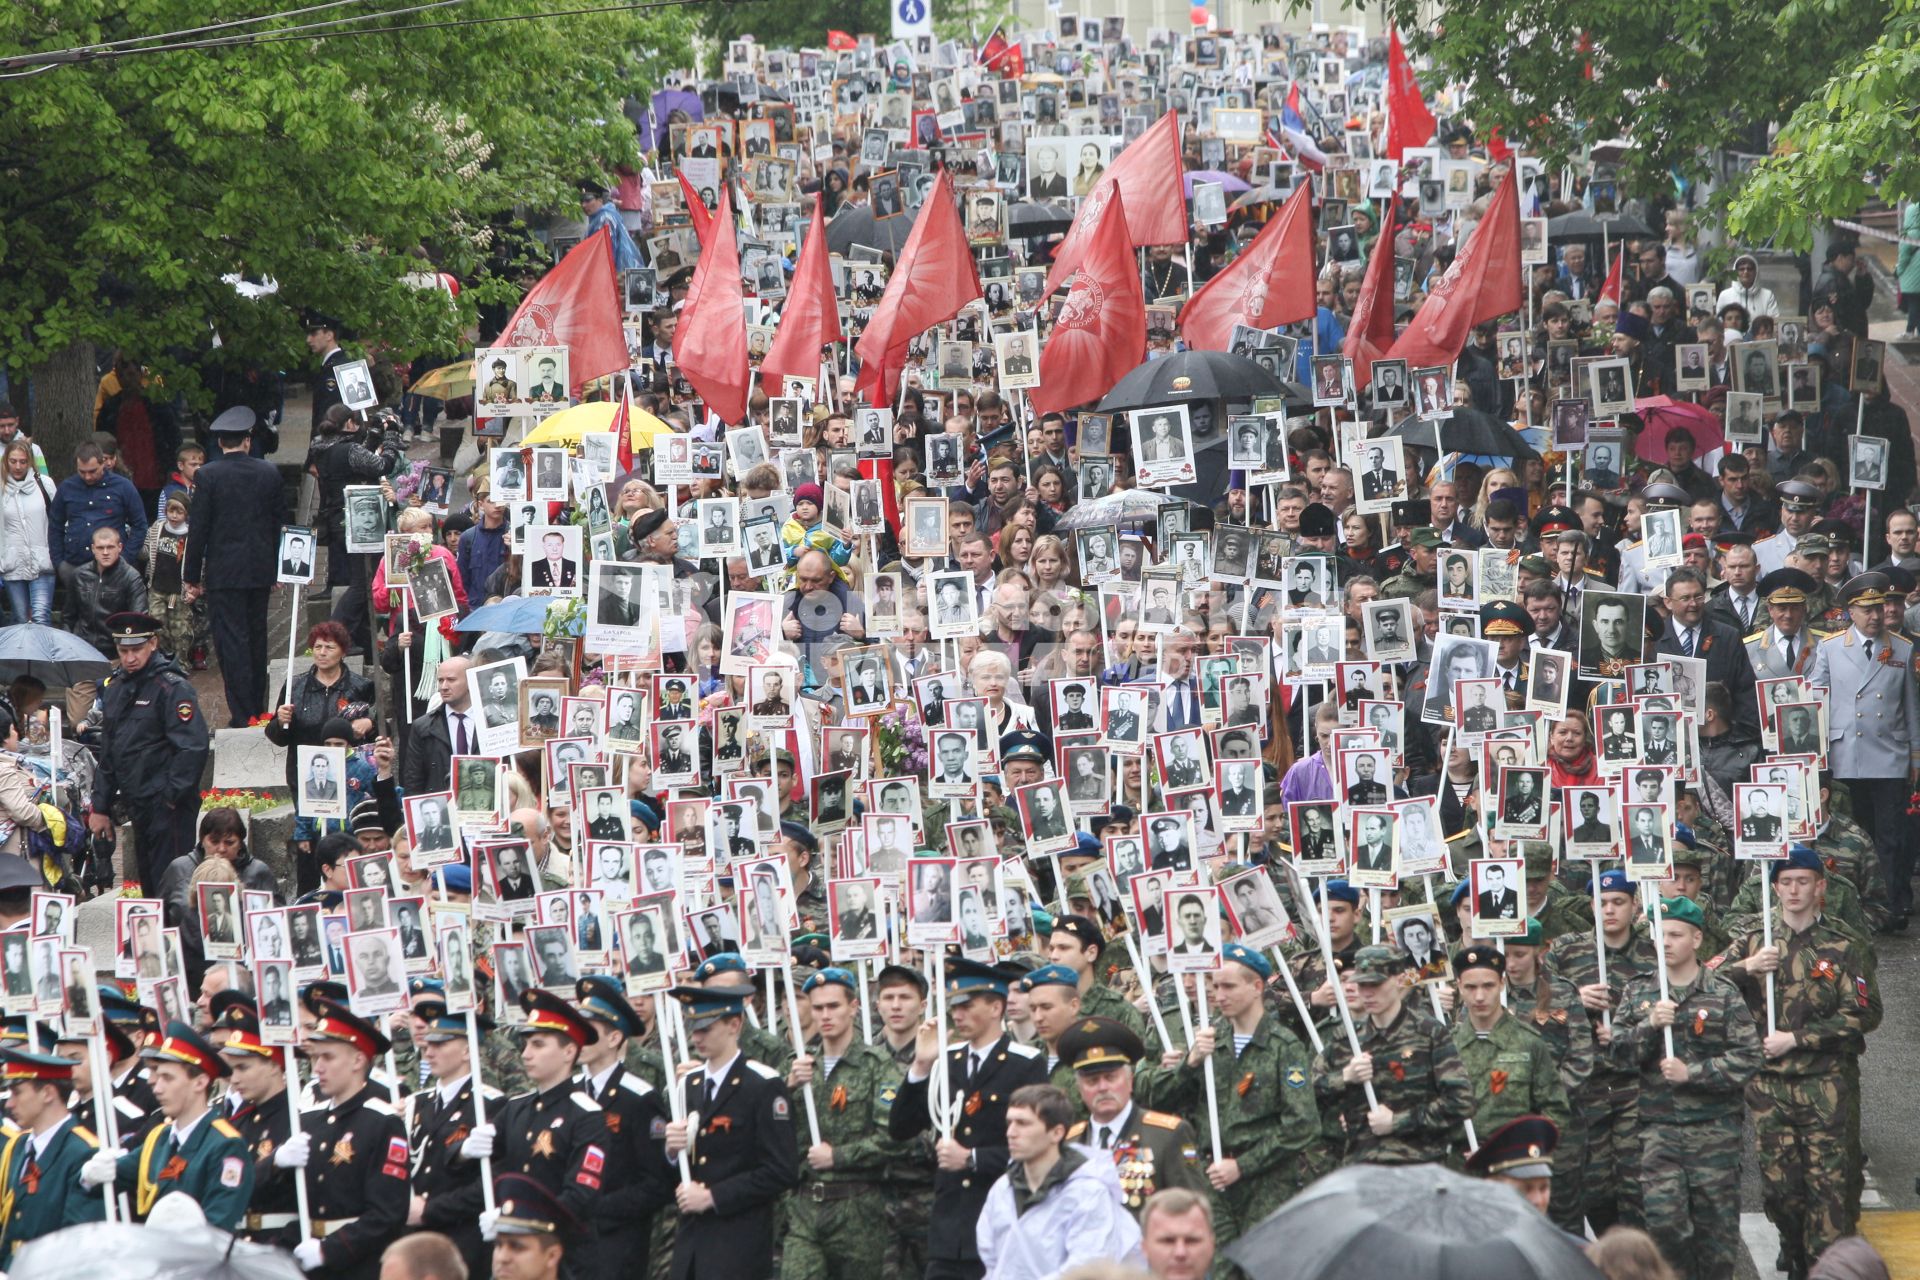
[902, 742]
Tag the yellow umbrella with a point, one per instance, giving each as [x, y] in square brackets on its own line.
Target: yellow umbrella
[567, 426]
[449, 382]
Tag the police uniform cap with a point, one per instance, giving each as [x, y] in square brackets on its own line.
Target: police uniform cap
[1100, 1044]
[1799, 858]
[1521, 1148]
[1868, 590]
[442, 1026]
[314, 321]
[1504, 618]
[602, 1000]
[1478, 955]
[1374, 965]
[1414, 511]
[1665, 494]
[1787, 586]
[1685, 910]
[315, 993]
[1797, 495]
[548, 1012]
[131, 628]
[1025, 744]
[1425, 536]
[1050, 975]
[528, 1209]
[230, 998]
[1317, 521]
[1246, 957]
[1900, 581]
[237, 421]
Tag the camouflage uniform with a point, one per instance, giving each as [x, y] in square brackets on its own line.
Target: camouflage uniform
[829, 1220]
[1848, 851]
[1610, 1098]
[1690, 1135]
[1512, 1071]
[1407, 584]
[1416, 1072]
[1269, 1122]
[1842, 905]
[1098, 1000]
[1551, 1006]
[908, 1204]
[1799, 1100]
[1309, 971]
[1563, 911]
[767, 1048]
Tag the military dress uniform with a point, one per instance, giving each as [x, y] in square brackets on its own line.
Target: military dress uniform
[638, 1181]
[152, 752]
[1417, 1073]
[211, 1162]
[830, 1215]
[1690, 1134]
[744, 1153]
[981, 1126]
[264, 1125]
[40, 1191]
[438, 1121]
[1151, 1150]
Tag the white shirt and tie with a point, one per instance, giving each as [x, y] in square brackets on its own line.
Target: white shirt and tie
[459, 733]
[1107, 1136]
[1745, 608]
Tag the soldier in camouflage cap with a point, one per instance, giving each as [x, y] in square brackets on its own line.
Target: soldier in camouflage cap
[1551, 1006]
[1508, 1063]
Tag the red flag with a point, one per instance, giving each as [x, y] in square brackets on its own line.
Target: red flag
[1371, 332]
[1148, 174]
[622, 428]
[840, 41]
[1409, 123]
[934, 278]
[1102, 330]
[711, 344]
[696, 209]
[1610, 291]
[577, 306]
[810, 318]
[1002, 55]
[1497, 149]
[1483, 282]
[1270, 283]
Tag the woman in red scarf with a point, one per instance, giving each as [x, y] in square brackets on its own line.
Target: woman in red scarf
[1570, 752]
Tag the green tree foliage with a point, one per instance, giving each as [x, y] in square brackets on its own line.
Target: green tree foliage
[790, 24]
[132, 185]
[1681, 78]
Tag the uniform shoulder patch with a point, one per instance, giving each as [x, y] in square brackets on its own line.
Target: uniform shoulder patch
[584, 1101]
[1022, 1050]
[1160, 1120]
[185, 710]
[85, 1135]
[634, 1084]
[762, 1070]
[378, 1106]
[488, 1092]
[1079, 1127]
[224, 1129]
[125, 1107]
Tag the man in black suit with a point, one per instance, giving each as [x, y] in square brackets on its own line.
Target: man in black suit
[450, 729]
[984, 1069]
[1495, 901]
[323, 339]
[553, 569]
[1691, 632]
[233, 537]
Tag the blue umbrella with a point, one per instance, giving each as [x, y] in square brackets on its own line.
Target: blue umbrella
[520, 615]
[57, 658]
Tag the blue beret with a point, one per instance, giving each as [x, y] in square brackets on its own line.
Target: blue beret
[725, 962]
[458, 878]
[832, 976]
[1088, 846]
[1460, 892]
[1684, 834]
[1050, 975]
[800, 834]
[1615, 881]
[1242, 954]
[1799, 858]
[1340, 891]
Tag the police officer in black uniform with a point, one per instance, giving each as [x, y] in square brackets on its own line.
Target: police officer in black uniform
[555, 1134]
[264, 1119]
[983, 1069]
[233, 544]
[638, 1181]
[739, 1142]
[439, 1119]
[354, 1151]
[153, 749]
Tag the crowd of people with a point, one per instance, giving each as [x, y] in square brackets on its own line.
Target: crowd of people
[939, 838]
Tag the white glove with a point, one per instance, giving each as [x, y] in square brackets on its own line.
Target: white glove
[292, 1154]
[478, 1144]
[101, 1167]
[489, 1224]
[308, 1254]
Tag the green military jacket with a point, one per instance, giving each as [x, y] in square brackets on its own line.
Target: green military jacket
[1406, 584]
[1513, 1073]
[851, 1102]
[1848, 851]
[1822, 992]
[1564, 911]
[1268, 1114]
[1552, 1007]
[1713, 1033]
[1417, 1074]
[1572, 957]
[1843, 905]
[1152, 1151]
[1101, 1001]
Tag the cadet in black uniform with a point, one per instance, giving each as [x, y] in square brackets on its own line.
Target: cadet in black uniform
[555, 1134]
[133, 1104]
[233, 547]
[264, 1121]
[739, 1141]
[983, 1070]
[638, 1182]
[439, 1118]
[354, 1151]
[153, 749]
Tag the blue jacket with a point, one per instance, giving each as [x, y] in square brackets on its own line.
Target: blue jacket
[80, 508]
[482, 551]
[625, 256]
[1331, 334]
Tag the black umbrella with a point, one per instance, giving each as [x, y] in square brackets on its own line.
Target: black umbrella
[1411, 1222]
[1037, 219]
[1467, 431]
[857, 225]
[1581, 225]
[1200, 375]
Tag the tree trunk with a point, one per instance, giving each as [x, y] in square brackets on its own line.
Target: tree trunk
[61, 415]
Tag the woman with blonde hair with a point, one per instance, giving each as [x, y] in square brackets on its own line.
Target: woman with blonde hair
[1625, 1253]
[1491, 484]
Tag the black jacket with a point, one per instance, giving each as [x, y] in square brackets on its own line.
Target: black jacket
[93, 597]
[313, 705]
[638, 1181]
[427, 763]
[233, 536]
[155, 744]
[747, 1155]
[437, 1130]
[358, 1169]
